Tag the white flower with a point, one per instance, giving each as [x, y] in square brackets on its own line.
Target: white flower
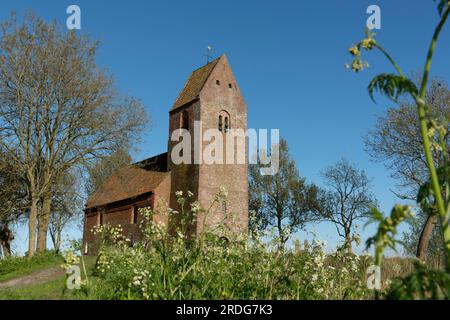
[179, 193]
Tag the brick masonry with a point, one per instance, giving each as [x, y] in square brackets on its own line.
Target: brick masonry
[219, 95]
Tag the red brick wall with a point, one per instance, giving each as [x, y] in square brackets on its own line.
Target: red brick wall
[120, 215]
[214, 99]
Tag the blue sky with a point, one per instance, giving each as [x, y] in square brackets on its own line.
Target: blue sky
[288, 57]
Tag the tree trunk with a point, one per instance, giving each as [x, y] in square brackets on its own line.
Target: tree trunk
[6, 250]
[6, 236]
[425, 236]
[55, 234]
[32, 226]
[348, 240]
[44, 220]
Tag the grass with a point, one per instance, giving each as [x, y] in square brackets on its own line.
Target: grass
[14, 267]
[47, 291]
[51, 290]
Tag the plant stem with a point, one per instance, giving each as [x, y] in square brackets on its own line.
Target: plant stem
[426, 141]
[387, 55]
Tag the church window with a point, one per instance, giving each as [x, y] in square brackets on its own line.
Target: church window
[224, 121]
[185, 120]
[220, 123]
[218, 82]
[230, 86]
[227, 124]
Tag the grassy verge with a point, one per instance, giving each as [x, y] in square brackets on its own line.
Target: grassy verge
[14, 267]
[51, 290]
[47, 291]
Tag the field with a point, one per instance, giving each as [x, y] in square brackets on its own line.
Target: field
[301, 275]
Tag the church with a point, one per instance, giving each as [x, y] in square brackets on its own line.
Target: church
[211, 97]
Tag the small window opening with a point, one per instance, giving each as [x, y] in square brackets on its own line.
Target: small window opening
[101, 219]
[230, 86]
[220, 123]
[227, 126]
[135, 215]
[185, 120]
[218, 82]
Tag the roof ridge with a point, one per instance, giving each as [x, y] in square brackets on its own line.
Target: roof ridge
[195, 84]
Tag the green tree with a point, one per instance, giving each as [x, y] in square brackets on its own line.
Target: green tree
[284, 201]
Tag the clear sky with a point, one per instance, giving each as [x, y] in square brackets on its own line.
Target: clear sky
[288, 58]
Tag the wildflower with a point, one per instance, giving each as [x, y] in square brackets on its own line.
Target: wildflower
[357, 65]
[367, 43]
[195, 207]
[354, 51]
[179, 193]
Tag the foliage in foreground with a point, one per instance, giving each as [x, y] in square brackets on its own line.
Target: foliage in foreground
[434, 195]
[167, 266]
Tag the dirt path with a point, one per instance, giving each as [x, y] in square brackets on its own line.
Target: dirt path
[36, 277]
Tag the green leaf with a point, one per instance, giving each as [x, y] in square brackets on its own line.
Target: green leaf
[392, 86]
[442, 5]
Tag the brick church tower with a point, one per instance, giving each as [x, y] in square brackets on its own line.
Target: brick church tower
[211, 99]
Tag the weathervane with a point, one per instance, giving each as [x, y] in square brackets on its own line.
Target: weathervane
[208, 54]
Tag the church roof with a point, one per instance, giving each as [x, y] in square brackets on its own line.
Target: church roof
[194, 84]
[128, 182]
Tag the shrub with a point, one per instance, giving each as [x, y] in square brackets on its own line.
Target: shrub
[167, 266]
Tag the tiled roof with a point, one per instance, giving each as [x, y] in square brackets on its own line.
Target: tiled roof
[194, 84]
[126, 183]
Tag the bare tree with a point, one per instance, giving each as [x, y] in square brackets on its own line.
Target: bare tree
[284, 201]
[396, 142]
[347, 200]
[67, 206]
[13, 202]
[101, 169]
[58, 110]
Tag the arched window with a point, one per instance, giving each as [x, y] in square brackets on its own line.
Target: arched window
[220, 123]
[185, 120]
[227, 124]
[224, 121]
